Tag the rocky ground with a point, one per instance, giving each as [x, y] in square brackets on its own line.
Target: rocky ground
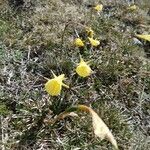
[37, 37]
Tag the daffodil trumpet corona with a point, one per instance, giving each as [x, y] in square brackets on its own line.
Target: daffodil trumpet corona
[98, 7]
[93, 42]
[83, 69]
[54, 86]
[100, 128]
[78, 42]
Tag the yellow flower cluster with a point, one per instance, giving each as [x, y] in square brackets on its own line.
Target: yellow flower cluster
[54, 86]
[78, 42]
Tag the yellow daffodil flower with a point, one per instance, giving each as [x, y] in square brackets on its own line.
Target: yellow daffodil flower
[144, 36]
[54, 86]
[83, 69]
[94, 42]
[78, 42]
[98, 7]
[90, 32]
[133, 7]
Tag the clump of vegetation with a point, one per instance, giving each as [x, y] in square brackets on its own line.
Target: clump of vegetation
[100, 48]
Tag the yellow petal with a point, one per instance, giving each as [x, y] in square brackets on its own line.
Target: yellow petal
[60, 78]
[144, 37]
[94, 42]
[53, 74]
[98, 7]
[53, 87]
[78, 42]
[66, 86]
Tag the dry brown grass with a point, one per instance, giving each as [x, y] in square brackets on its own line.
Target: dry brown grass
[37, 38]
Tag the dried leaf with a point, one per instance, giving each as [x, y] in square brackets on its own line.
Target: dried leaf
[100, 128]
